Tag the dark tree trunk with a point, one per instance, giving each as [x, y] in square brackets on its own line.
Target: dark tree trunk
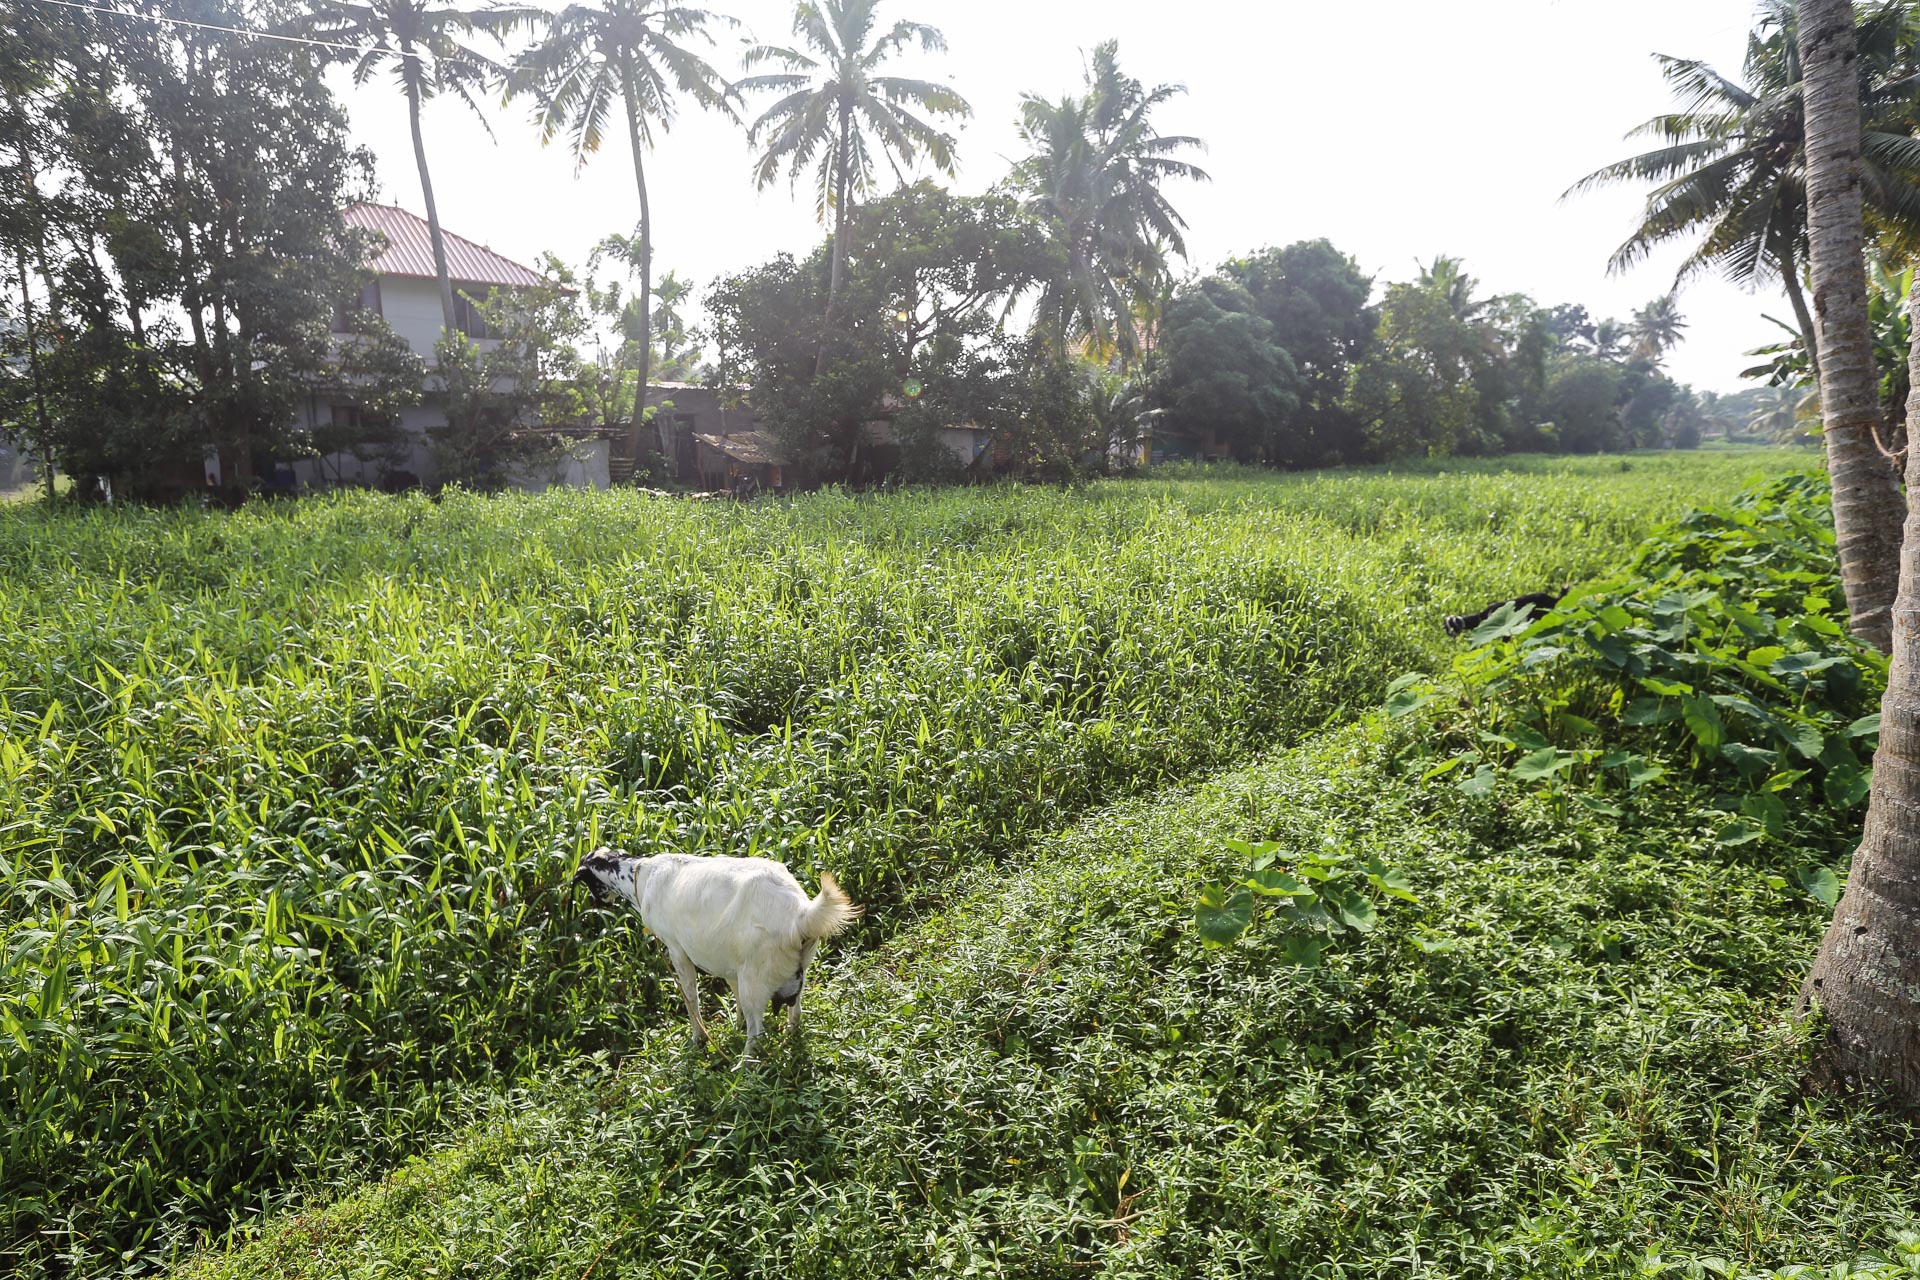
[33, 366]
[1866, 977]
[637, 429]
[842, 158]
[1867, 506]
[447, 318]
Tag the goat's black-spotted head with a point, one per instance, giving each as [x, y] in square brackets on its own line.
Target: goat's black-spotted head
[600, 872]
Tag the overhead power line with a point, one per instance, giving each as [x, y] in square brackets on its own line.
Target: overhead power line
[237, 31]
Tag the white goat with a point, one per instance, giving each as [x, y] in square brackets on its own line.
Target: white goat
[743, 919]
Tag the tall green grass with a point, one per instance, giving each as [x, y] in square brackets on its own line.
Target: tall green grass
[1568, 1056]
[289, 798]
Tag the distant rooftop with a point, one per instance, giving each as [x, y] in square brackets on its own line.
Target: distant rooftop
[409, 250]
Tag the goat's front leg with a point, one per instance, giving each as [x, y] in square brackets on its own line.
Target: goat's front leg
[688, 978]
[753, 997]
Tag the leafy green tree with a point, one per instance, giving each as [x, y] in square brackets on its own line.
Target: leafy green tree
[927, 281]
[1685, 421]
[1435, 381]
[836, 117]
[498, 399]
[1221, 371]
[1124, 407]
[943, 265]
[375, 372]
[1582, 403]
[1779, 414]
[767, 324]
[425, 45]
[636, 53]
[1094, 169]
[193, 186]
[1316, 299]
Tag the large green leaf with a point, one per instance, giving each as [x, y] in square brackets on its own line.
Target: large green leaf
[1223, 914]
[1502, 623]
[1543, 763]
[1847, 785]
[1353, 908]
[1821, 883]
[1390, 880]
[1806, 663]
[1480, 784]
[1269, 883]
[1703, 721]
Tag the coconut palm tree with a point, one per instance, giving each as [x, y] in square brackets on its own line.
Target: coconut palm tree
[1446, 278]
[425, 44]
[837, 119]
[677, 352]
[1094, 170]
[1867, 506]
[1779, 413]
[1866, 977]
[1656, 328]
[634, 53]
[1729, 172]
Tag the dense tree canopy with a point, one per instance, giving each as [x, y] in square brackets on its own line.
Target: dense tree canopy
[173, 223]
[1223, 373]
[1317, 300]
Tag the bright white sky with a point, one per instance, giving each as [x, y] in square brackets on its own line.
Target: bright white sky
[1396, 129]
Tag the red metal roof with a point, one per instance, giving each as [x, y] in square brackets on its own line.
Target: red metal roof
[409, 250]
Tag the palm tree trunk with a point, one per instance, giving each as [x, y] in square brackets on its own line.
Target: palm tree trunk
[1790, 273]
[1866, 978]
[636, 430]
[842, 158]
[1867, 507]
[426, 190]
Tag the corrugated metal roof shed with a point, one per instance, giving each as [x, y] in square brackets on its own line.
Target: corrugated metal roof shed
[409, 250]
[751, 447]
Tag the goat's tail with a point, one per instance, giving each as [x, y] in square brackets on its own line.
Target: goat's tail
[829, 912]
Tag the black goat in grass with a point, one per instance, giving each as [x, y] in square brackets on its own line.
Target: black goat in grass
[1458, 624]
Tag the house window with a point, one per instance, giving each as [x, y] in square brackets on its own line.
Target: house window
[369, 300]
[467, 317]
[346, 416]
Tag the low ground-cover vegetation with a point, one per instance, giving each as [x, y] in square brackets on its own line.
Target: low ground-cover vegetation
[1568, 1057]
[289, 795]
[1548, 1040]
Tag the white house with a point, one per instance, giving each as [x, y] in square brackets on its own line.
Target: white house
[405, 291]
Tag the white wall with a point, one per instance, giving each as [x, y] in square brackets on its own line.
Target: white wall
[412, 310]
[415, 454]
[964, 443]
[583, 466]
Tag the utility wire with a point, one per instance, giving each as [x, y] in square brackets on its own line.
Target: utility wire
[238, 31]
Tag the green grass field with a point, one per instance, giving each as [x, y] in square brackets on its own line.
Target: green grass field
[291, 797]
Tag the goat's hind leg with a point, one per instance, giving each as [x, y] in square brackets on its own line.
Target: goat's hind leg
[688, 978]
